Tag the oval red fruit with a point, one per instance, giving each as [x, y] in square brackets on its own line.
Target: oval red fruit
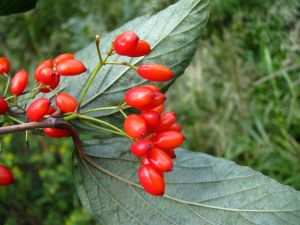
[160, 160]
[166, 121]
[135, 126]
[70, 67]
[62, 57]
[3, 106]
[46, 76]
[38, 109]
[167, 139]
[143, 48]
[152, 181]
[44, 64]
[141, 147]
[125, 43]
[171, 153]
[54, 85]
[66, 103]
[19, 82]
[152, 87]
[155, 72]
[6, 176]
[51, 110]
[151, 118]
[158, 99]
[4, 65]
[159, 109]
[175, 127]
[139, 97]
[56, 133]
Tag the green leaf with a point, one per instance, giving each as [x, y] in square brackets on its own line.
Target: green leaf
[201, 190]
[8, 7]
[173, 35]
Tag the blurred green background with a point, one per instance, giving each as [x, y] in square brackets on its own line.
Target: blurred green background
[242, 91]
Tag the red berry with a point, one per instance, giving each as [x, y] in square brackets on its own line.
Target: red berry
[62, 57]
[44, 64]
[55, 83]
[167, 119]
[167, 139]
[19, 82]
[145, 161]
[70, 67]
[66, 103]
[141, 147]
[175, 127]
[158, 99]
[142, 49]
[160, 160]
[139, 97]
[135, 126]
[51, 110]
[152, 181]
[38, 109]
[6, 176]
[3, 106]
[56, 133]
[4, 65]
[152, 87]
[159, 109]
[171, 153]
[151, 118]
[155, 72]
[46, 76]
[125, 43]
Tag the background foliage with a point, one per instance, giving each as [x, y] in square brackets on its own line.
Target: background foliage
[232, 113]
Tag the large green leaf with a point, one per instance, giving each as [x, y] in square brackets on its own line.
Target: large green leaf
[8, 7]
[201, 190]
[173, 35]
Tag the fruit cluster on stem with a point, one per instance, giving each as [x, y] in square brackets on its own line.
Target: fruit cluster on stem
[154, 133]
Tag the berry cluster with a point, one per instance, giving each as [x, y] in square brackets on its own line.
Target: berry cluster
[155, 133]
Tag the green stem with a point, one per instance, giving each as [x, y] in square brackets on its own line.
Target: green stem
[100, 109]
[97, 42]
[7, 86]
[122, 64]
[104, 123]
[14, 119]
[101, 128]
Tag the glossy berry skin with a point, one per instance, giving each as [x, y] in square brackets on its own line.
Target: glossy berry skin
[55, 83]
[175, 127]
[70, 67]
[141, 147]
[157, 100]
[4, 65]
[167, 119]
[56, 133]
[152, 87]
[19, 82]
[38, 109]
[44, 64]
[171, 153]
[152, 181]
[167, 139]
[139, 97]
[155, 72]
[3, 106]
[51, 110]
[159, 109]
[66, 103]
[125, 43]
[62, 57]
[160, 160]
[46, 76]
[151, 118]
[6, 176]
[135, 126]
[143, 48]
